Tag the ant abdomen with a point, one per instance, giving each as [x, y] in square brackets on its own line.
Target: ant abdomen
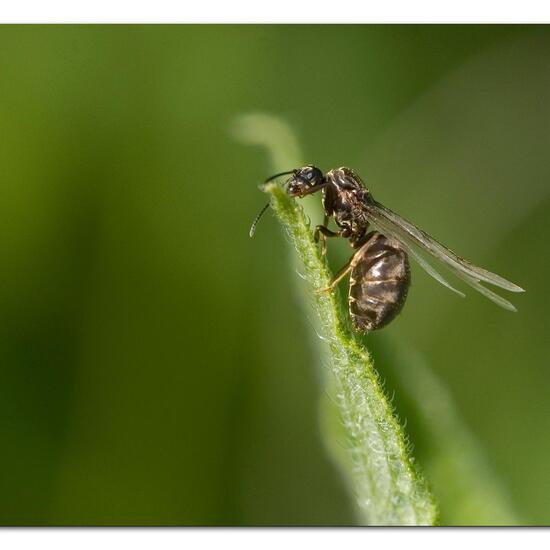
[379, 281]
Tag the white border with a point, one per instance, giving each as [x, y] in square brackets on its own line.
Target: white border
[273, 539]
[275, 11]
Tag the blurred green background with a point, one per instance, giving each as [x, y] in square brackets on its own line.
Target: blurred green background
[144, 380]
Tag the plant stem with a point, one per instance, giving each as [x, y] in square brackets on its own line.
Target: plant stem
[388, 488]
[376, 462]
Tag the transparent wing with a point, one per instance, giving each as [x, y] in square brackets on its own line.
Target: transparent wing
[392, 225]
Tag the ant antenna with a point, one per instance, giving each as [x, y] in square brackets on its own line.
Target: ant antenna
[279, 174]
[256, 220]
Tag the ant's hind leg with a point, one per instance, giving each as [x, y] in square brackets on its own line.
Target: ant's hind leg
[339, 276]
[351, 263]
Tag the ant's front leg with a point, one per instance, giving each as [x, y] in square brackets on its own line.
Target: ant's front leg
[325, 232]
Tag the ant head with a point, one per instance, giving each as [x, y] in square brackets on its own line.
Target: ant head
[305, 180]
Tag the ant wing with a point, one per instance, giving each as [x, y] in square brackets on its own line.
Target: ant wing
[392, 225]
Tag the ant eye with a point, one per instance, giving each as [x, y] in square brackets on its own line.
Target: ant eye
[309, 175]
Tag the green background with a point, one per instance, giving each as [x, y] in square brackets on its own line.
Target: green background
[156, 366]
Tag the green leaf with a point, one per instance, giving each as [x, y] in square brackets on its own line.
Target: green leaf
[375, 460]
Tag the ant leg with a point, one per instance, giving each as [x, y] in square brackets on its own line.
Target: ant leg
[339, 276]
[325, 232]
[318, 229]
[351, 263]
